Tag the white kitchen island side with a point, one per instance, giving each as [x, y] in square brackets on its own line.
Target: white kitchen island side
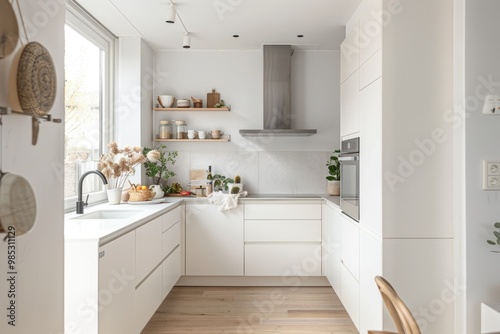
[118, 271]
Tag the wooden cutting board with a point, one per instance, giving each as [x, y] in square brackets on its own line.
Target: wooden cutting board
[212, 99]
[198, 178]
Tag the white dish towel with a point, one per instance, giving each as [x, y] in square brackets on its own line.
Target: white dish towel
[224, 201]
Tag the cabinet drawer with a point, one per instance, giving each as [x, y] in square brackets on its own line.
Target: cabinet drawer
[282, 259]
[148, 243]
[349, 246]
[148, 297]
[283, 230]
[371, 70]
[282, 211]
[171, 239]
[350, 295]
[170, 218]
[171, 271]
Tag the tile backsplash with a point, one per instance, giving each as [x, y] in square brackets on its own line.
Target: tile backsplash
[261, 172]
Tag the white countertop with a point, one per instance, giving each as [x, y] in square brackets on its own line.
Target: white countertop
[103, 231]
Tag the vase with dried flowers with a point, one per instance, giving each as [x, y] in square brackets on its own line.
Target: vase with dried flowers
[117, 165]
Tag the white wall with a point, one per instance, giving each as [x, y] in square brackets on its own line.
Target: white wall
[135, 84]
[39, 254]
[237, 75]
[482, 136]
[270, 165]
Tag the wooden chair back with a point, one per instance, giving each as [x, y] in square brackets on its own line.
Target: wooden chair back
[401, 315]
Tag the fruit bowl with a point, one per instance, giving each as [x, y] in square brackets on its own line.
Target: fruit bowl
[139, 194]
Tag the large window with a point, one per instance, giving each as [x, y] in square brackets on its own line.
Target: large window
[89, 63]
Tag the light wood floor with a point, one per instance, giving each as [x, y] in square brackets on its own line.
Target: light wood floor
[245, 310]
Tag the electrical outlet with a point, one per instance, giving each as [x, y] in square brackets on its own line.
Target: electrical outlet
[492, 105]
[491, 175]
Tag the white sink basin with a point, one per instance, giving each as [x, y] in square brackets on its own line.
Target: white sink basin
[109, 214]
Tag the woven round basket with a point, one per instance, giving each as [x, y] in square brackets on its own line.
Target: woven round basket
[36, 80]
[140, 195]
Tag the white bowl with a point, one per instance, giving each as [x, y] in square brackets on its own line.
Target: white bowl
[183, 104]
[167, 101]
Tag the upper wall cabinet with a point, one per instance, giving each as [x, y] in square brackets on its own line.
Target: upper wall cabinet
[349, 55]
[370, 31]
[349, 105]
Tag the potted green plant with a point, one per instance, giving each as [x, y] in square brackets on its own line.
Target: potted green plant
[237, 184]
[157, 167]
[497, 237]
[333, 178]
[220, 182]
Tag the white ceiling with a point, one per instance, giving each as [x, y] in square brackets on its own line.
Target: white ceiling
[212, 23]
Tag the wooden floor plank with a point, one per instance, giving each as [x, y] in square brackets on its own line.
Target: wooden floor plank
[251, 310]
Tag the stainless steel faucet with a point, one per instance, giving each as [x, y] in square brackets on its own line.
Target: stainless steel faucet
[80, 204]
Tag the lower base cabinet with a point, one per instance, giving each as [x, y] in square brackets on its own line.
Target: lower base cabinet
[116, 285]
[148, 297]
[283, 260]
[172, 270]
[214, 241]
[350, 295]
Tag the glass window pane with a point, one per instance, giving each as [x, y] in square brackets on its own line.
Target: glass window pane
[83, 106]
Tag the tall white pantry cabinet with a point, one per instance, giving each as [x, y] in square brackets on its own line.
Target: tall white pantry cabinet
[413, 252]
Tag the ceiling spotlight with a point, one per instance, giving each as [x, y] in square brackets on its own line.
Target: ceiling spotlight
[186, 41]
[236, 36]
[300, 36]
[171, 12]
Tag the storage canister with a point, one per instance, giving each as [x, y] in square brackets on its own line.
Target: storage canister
[181, 131]
[165, 130]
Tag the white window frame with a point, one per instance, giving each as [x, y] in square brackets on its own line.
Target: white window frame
[79, 20]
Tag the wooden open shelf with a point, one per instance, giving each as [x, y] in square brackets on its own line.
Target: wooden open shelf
[224, 138]
[192, 109]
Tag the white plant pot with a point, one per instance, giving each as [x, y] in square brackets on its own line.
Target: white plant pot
[333, 188]
[114, 195]
[157, 189]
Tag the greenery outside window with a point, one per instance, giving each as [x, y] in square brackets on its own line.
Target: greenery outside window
[89, 91]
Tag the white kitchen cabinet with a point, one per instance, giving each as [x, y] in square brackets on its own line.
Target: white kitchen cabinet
[370, 171]
[287, 230]
[368, 73]
[148, 297]
[350, 295]
[283, 238]
[116, 285]
[159, 258]
[349, 55]
[290, 259]
[349, 105]
[214, 241]
[99, 285]
[349, 245]
[148, 253]
[371, 308]
[371, 29]
[172, 271]
[172, 264]
[331, 247]
[282, 210]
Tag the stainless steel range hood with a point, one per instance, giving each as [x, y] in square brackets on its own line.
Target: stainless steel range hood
[277, 97]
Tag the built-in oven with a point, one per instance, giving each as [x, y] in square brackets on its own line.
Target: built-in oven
[349, 178]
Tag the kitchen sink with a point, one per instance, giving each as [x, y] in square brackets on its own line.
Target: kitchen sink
[109, 214]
